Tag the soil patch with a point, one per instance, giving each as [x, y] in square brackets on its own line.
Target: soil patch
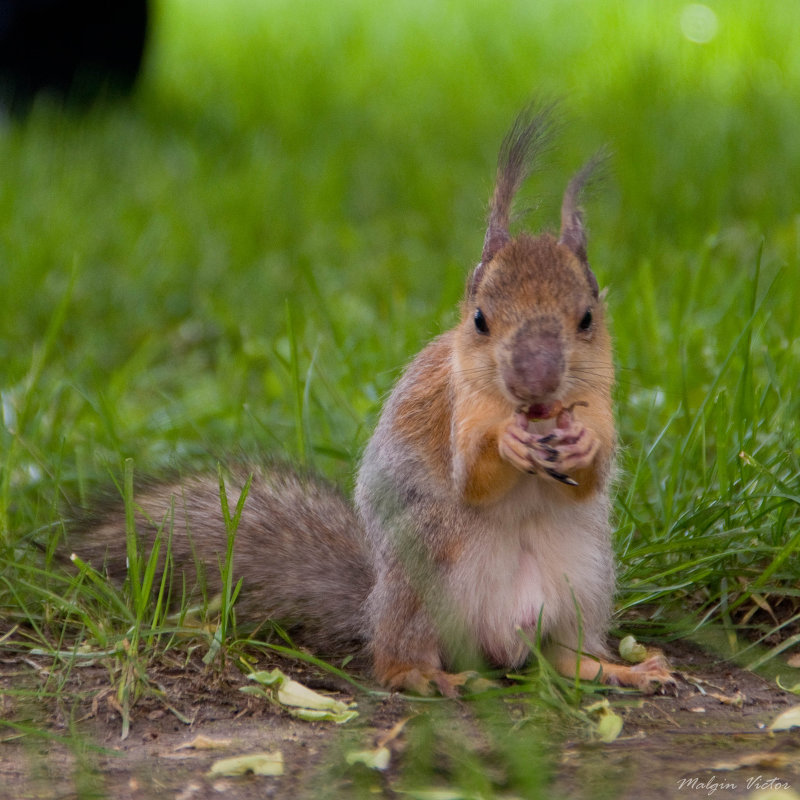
[707, 738]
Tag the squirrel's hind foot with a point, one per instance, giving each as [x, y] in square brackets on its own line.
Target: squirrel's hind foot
[647, 677]
[430, 682]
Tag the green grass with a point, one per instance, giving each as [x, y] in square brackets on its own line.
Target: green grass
[243, 257]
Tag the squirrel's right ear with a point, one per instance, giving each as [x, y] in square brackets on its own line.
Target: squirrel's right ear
[526, 139]
[573, 232]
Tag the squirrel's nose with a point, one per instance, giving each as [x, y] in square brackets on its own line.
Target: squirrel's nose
[535, 367]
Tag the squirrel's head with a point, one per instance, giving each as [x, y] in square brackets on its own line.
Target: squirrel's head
[533, 317]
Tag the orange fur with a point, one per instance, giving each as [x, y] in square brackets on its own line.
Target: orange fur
[487, 477]
[422, 413]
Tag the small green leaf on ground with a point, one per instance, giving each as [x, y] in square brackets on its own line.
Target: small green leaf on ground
[631, 650]
[607, 724]
[373, 759]
[255, 763]
[299, 700]
[793, 689]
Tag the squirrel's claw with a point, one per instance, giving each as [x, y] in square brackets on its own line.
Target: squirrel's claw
[559, 476]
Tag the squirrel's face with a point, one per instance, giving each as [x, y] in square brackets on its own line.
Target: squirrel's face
[533, 326]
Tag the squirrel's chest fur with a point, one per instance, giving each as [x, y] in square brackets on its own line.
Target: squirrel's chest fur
[534, 564]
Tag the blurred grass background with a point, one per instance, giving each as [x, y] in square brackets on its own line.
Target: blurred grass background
[245, 255]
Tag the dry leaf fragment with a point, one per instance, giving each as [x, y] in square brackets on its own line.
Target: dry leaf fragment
[201, 742]
[736, 700]
[757, 760]
[380, 756]
[759, 602]
[777, 792]
[793, 661]
[392, 733]
[439, 794]
[255, 763]
[787, 720]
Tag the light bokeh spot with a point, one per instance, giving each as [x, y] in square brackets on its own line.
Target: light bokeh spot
[698, 23]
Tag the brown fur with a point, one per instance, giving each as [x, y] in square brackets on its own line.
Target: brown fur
[286, 517]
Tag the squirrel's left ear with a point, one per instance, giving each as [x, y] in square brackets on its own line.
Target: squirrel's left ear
[520, 147]
[573, 232]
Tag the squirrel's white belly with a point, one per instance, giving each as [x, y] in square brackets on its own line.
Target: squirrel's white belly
[521, 571]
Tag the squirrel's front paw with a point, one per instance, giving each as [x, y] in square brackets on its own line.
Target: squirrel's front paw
[569, 447]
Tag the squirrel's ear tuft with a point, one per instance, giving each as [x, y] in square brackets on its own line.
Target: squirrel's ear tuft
[475, 279]
[522, 144]
[496, 237]
[573, 231]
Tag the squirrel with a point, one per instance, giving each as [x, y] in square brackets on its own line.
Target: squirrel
[482, 501]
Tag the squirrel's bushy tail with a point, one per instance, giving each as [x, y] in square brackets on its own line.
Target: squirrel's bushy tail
[299, 549]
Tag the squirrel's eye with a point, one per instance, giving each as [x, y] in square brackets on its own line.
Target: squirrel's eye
[481, 325]
[586, 321]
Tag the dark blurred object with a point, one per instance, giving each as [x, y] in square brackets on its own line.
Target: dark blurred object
[74, 49]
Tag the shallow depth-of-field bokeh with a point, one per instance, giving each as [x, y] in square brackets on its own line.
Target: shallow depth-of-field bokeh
[242, 257]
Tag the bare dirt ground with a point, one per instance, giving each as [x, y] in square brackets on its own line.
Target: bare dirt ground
[707, 738]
